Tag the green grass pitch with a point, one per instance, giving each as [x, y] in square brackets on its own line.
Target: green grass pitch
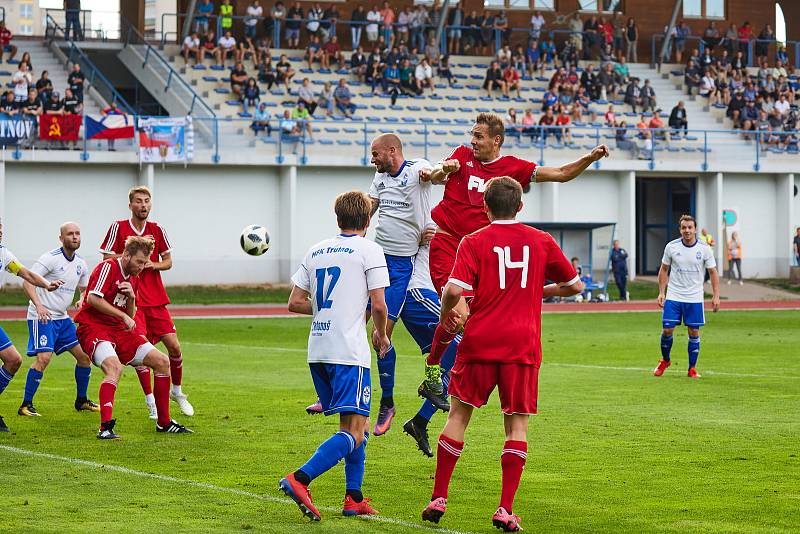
[614, 449]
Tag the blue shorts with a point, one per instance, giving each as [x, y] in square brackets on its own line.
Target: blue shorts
[400, 270]
[420, 316]
[342, 388]
[691, 314]
[8, 48]
[54, 336]
[5, 341]
[292, 34]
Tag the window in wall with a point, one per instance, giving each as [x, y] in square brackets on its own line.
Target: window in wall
[494, 3]
[612, 5]
[600, 5]
[587, 5]
[26, 29]
[715, 9]
[26, 11]
[692, 8]
[544, 5]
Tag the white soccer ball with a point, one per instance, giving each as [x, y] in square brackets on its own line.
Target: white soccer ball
[254, 240]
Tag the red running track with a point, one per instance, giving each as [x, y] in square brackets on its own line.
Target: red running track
[278, 310]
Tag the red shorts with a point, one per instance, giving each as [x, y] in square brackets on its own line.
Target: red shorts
[442, 258]
[154, 322]
[125, 343]
[517, 384]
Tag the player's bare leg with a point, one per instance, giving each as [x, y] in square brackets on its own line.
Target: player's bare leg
[176, 373]
[159, 363]
[448, 451]
[432, 387]
[11, 361]
[666, 347]
[694, 351]
[515, 451]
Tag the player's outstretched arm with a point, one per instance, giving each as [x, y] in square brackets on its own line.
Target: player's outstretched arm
[663, 278]
[38, 280]
[558, 290]
[440, 172]
[300, 301]
[450, 297]
[714, 276]
[380, 318]
[570, 171]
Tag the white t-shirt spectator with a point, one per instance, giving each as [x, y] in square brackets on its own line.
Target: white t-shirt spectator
[706, 85]
[253, 13]
[537, 22]
[423, 72]
[21, 81]
[782, 106]
[227, 42]
[191, 42]
[373, 18]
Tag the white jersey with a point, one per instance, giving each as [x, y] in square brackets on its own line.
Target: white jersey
[54, 265]
[687, 269]
[339, 274]
[8, 262]
[421, 279]
[404, 207]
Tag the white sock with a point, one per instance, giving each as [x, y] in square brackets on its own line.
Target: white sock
[176, 390]
[150, 399]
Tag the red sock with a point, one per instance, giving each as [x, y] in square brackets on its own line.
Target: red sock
[447, 454]
[441, 340]
[107, 390]
[512, 461]
[144, 379]
[176, 369]
[161, 392]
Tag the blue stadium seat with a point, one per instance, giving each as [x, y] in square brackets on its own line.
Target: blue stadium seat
[486, 99]
[483, 110]
[199, 67]
[378, 106]
[413, 108]
[473, 87]
[439, 132]
[434, 144]
[448, 109]
[233, 102]
[452, 144]
[351, 130]
[268, 141]
[442, 120]
[404, 131]
[344, 142]
[426, 120]
[222, 91]
[386, 130]
[431, 109]
[691, 138]
[373, 118]
[481, 66]
[461, 76]
[331, 129]
[217, 67]
[225, 79]
[470, 98]
[361, 142]
[306, 71]
[435, 97]
[210, 78]
[409, 119]
[295, 59]
[391, 119]
[476, 76]
[457, 132]
[499, 110]
[417, 143]
[453, 97]
[463, 121]
[324, 141]
[244, 115]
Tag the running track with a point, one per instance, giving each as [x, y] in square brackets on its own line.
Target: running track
[279, 310]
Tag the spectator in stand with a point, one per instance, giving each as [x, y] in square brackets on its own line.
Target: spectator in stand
[373, 21]
[610, 116]
[306, 95]
[455, 19]
[608, 83]
[518, 58]
[261, 120]
[5, 42]
[590, 37]
[549, 98]
[745, 36]
[31, 107]
[251, 95]
[503, 56]
[191, 46]
[72, 104]
[779, 70]
[590, 82]
[731, 39]
[408, 81]
[494, 79]
[563, 120]
[8, 105]
[388, 18]
[285, 72]
[605, 33]
[332, 50]
[266, 73]
[358, 64]
[513, 80]
[575, 25]
[533, 60]
[762, 44]
[648, 95]
[416, 26]
[545, 122]
[22, 81]
[641, 126]
[262, 49]
[618, 34]
[208, 46]
[781, 55]
[289, 126]
[432, 52]
[268, 27]
[513, 128]
[656, 125]
[711, 37]
[582, 103]
[471, 39]
[500, 24]
[314, 51]
[623, 142]
[633, 94]
[749, 118]
[279, 14]
[44, 87]
[53, 105]
[226, 16]
[529, 124]
[325, 99]
[344, 99]
[424, 76]
[328, 25]
[739, 63]
[706, 60]
[569, 56]
[313, 19]
[401, 28]
[238, 79]
[622, 71]
[631, 40]
[537, 24]
[691, 77]
[226, 48]
[782, 106]
[254, 13]
[303, 118]
[548, 52]
[358, 19]
[246, 48]
[444, 70]
[682, 32]
[112, 109]
[294, 18]
[677, 119]
[72, 20]
[708, 85]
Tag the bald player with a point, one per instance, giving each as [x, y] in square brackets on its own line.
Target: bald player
[50, 327]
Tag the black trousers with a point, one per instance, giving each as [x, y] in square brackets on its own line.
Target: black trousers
[621, 279]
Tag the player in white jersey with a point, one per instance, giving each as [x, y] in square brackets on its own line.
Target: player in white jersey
[334, 283]
[680, 291]
[50, 328]
[403, 204]
[9, 357]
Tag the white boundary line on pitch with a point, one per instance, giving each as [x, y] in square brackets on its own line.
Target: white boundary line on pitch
[221, 489]
[546, 363]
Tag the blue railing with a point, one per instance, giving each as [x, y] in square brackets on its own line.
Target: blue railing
[791, 47]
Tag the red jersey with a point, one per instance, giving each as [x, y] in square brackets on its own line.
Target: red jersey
[461, 210]
[506, 265]
[104, 282]
[151, 288]
[5, 37]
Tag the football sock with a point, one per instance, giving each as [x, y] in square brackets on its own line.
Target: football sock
[694, 350]
[144, 379]
[424, 414]
[387, 401]
[449, 356]
[427, 409]
[441, 340]
[447, 454]
[176, 369]
[82, 375]
[107, 390]
[354, 470]
[386, 372]
[328, 454]
[512, 462]
[161, 393]
[666, 347]
[5, 378]
[32, 384]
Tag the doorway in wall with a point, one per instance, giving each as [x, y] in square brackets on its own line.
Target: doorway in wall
[660, 202]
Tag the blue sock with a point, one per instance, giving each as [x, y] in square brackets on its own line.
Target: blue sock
[329, 454]
[666, 346]
[427, 409]
[32, 384]
[694, 350]
[82, 375]
[354, 466]
[5, 378]
[386, 372]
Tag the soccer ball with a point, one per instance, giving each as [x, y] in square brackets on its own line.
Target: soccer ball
[254, 240]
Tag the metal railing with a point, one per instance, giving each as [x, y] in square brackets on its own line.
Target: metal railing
[749, 49]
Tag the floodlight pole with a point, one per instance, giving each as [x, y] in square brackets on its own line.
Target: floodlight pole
[187, 23]
[668, 34]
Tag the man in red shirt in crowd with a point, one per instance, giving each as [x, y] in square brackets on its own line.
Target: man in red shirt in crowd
[5, 42]
[107, 333]
[461, 212]
[505, 266]
[153, 319]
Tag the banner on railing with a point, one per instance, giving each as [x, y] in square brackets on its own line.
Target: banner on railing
[15, 129]
[60, 127]
[166, 139]
[110, 127]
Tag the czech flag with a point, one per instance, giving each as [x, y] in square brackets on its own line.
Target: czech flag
[110, 127]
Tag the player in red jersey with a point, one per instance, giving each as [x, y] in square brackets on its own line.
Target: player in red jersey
[505, 265]
[107, 333]
[465, 174]
[153, 319]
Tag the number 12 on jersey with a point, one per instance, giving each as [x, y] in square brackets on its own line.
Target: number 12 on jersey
[324, 295]
[504, 262]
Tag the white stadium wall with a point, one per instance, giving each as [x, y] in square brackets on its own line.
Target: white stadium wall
[204, 208]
